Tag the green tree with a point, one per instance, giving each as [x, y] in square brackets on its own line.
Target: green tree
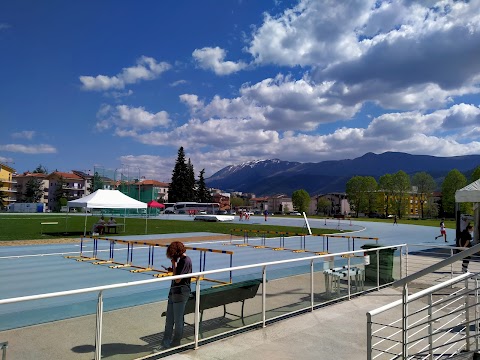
[3, 196]
[454, 181]
[370, 188]
[182, 186]
[97, 182]
[475, 175]
[33, 190]
[425, 186]
[301, 200]
[40, 169]
[59, 195]
[386, 185]
[356, 194]
[323, 204]
[191, 185]
[203, 195]
[236, 202]
[402, 188]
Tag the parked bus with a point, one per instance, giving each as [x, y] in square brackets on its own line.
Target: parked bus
[192, 208]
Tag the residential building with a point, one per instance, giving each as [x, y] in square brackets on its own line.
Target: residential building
[259, 204]
[279, 203]
[88, 180]
[23, 179]
[152, 190]
[74, 187]
[223, 199]
[339, 204]
[7, 186]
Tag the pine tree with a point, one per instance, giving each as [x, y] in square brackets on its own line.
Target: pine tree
[177, 188]
[203, 195]
[97, 182]
[59, 195]
[191, 186]
[40, 170]
[33, 190]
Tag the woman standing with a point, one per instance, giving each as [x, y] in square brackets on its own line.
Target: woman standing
[178, 295]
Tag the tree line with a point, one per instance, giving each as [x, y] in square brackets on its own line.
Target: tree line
[391, 194]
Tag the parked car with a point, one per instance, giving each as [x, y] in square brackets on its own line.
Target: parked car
[222, 212]
[202, 212]
[295, 213]
[167, 211]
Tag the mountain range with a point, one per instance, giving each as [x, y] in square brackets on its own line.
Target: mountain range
[268, 177]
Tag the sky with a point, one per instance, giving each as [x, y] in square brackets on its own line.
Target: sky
[118, 85]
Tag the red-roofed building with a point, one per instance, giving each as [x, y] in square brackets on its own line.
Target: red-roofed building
[73, 187]
[223, 199]
[152, 190]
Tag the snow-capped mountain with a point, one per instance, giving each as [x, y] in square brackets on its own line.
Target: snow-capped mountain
[266, 177]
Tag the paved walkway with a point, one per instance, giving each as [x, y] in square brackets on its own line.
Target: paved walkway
[334, 332]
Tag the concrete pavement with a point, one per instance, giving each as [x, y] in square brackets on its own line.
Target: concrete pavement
[333, 332]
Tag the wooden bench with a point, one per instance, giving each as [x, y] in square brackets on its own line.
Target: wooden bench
[221, 296]
[47, 223]
[107, 227]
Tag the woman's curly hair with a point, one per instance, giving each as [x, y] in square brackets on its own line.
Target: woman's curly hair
[175, 250]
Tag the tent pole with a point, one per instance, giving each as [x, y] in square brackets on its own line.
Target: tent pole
[85, 226]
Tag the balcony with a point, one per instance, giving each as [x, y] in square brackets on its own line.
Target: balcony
[8, 190]
[7, 181]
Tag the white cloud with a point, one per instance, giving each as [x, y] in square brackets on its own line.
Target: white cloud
[192, 101]
[279, 103]
[178, 82]
[213, 59]
[124, 117]
[311, 33]
[29, 149]
[4, 26]
[27, 134]
[462, 116]
[147, 68]
[215, 143]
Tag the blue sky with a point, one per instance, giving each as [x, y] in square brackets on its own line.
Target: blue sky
[124, 84]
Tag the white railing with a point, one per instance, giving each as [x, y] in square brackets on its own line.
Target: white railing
[433, 323]
[3, 348]
[341, 282]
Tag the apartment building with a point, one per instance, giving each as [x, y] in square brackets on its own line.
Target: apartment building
[23, 179]
[8, 189]
[73, 186]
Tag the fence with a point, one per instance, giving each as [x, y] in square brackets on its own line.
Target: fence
[436, 322]
[293, 286]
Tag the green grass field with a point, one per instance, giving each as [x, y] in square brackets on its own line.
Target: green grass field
[28, 226]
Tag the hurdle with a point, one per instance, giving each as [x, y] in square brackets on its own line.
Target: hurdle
[361, 238]
[151, 252]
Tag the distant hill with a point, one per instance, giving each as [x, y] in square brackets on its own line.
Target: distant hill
[267, 177]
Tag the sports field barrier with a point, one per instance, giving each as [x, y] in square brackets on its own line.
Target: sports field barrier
[280, 297]
[282, 234]
[151, 251]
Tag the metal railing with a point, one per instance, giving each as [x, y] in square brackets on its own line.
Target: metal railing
[342, 273]
[3, 347]
[434, 323]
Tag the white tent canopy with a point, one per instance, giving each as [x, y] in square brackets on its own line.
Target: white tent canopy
[107, 199]
[470, 193]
